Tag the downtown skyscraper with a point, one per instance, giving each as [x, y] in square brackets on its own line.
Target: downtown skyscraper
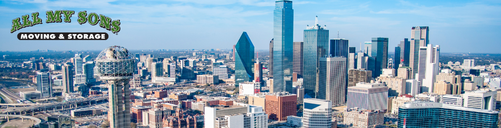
[339, 47]
[283, 27]
[419, 38]
[298, 58]
[404, 48]
[332, 80]
[316, 44]
[68, 73]
[379, 55]
[244, 60]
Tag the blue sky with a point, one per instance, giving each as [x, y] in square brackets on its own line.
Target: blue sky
[456, 25]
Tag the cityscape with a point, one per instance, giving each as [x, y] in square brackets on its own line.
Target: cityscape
[320, 81]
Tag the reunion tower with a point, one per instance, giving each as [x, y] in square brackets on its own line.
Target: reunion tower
[116, 65]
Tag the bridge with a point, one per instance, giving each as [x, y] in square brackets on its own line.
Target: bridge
[37, 121]
[14, 109]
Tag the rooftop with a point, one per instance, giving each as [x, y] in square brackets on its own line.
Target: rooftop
[426, 104]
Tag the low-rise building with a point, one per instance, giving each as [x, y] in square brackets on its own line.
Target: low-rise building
[363, 118]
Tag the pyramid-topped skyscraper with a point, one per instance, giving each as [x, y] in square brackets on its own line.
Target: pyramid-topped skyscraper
[244, 59]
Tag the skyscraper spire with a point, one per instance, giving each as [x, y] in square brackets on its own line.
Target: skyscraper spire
[316, 20]
[257, 57]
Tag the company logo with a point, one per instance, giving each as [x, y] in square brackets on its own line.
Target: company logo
[57, 17]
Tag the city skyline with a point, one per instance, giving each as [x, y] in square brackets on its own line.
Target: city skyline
[165, 24]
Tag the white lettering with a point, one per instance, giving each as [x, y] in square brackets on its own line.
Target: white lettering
[24, 36]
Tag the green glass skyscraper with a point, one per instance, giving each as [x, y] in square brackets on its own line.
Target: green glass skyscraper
[244, 59]
[380, 55]
[316, 44]
[283, 22]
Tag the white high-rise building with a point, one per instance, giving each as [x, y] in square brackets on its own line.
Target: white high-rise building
[68, 78]
[351, 61]
[468, 63]
[370, 96]
[249, 88]
[431, 68]
[221, 71]
[332, 80]
[412, 87]
[317, 113]
[78, 64]
[235, 116]
[480, 99]
[88, 70]
[44, 84]
[362, 60]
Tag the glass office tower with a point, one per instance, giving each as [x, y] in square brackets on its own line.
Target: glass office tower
[283, 22]
[419, 114]
[380, 55]
[244, 59]
[316, 44]
[419, 38]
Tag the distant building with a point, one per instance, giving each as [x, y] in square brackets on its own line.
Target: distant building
[59, 121]
[431, 114]
[453, 79]
[283, 26]
[379, 54]
[352, 50]
[86, 112]
[236, 116]
[258, 72]
[249, 88]
[356, 76]
[412, 87]
[442, 88]
[480, 99]
[270, 61]
[468, 63]
[363, 118]
[428, 71]
[30, 95]
[298, 58]
[399, 101]
[221, 72]
[88, 70]
[78, 64]
[44, 84]
[300, 94]
[280, 105]
[244, 62]
[332, 80]
[419, 38]
[157, 70]
[137, 113]
[362, 61]
[317, 113]
[454, 100]
[404, 48]
[339, 47]
[370, 96]
[207, 79]
[396, 86]
[316, 45]
[68, 78]
[404, 72]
